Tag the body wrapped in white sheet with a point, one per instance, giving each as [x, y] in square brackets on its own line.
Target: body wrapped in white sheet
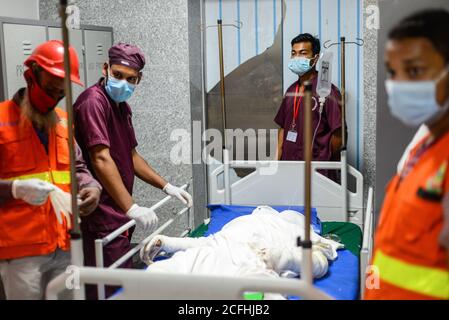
[260, 244]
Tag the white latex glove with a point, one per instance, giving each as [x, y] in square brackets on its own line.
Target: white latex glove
[177, 192]
[144, 217]
[32, 191]
[62, 205]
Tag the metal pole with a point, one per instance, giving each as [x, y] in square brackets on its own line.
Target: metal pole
[226, 158]
[344, 157]
[306, 270]
[101, 290]
[344, 184]
[343, 92]
[227, 177]
[222, 80]
[136, 249]
[76, 241]
[132, 223]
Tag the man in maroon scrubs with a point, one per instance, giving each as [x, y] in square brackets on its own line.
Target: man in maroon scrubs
[326, 122]
[104, 130]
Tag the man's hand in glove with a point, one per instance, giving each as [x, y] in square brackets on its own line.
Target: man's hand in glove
[179, 193]
[32, 191]
[144, 217]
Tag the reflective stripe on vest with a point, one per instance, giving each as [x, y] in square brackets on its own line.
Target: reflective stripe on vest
[58, 177]
[424, 280]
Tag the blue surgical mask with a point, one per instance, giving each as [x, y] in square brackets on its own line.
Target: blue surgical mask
[414, 102]
[119, 90]
[300, 66]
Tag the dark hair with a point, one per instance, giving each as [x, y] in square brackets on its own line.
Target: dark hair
[432, 24]
[307, 37]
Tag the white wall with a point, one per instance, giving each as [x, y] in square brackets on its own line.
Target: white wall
[25, 9]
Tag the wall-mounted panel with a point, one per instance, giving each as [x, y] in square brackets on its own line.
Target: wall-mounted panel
[19, 41]
[97, 44]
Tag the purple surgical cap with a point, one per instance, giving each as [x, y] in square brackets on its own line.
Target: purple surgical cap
[127, 55]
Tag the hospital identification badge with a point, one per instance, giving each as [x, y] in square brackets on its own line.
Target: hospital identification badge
[292, 136]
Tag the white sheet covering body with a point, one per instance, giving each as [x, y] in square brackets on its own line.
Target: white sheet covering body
[260, 244]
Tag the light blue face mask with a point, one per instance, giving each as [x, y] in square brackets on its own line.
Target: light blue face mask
[300, 66]
[119, 90]
[414, 102]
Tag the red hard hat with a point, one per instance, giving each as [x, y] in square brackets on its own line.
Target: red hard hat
[50, 56]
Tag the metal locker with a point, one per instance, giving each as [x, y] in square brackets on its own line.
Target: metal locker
[97, 44]
[19, 43]
[76, 41]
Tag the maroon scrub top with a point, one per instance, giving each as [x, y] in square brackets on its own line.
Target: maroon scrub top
[330, 122]
[100, 121]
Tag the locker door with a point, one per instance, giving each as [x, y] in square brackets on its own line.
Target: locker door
[97, 44]
[76, 41]
[20, 41]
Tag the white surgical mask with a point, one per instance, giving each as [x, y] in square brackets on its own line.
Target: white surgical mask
[300, 65]
[414, 102]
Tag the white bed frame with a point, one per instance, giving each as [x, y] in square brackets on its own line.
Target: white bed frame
[285, 187]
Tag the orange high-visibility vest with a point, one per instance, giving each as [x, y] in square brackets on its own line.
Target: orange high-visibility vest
[27, 230]
[410, 262]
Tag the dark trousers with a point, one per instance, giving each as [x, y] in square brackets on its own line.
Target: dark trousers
[111, 253]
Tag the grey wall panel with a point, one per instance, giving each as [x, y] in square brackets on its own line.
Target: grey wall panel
[24, 9]
[97, 44]
[199, 183]
[19, 43]
[76, 41]
[19, 37]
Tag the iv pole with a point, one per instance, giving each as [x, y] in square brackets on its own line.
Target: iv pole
[343, 151]
[227, 181]
[306, 244]
[226, 159]
[76, 245]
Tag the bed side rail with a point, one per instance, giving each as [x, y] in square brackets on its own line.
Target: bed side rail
[261, 187]
[367, 245]
[100, 243]
[138, 285]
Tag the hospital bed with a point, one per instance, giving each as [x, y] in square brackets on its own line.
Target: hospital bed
[277, 184]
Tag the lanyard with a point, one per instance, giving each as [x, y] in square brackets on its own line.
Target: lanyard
[297, 104]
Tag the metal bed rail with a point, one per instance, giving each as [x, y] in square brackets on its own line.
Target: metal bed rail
[100, 243]
[367, 245]
[138, 285]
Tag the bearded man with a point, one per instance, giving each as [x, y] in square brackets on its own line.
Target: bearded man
[34, 162]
